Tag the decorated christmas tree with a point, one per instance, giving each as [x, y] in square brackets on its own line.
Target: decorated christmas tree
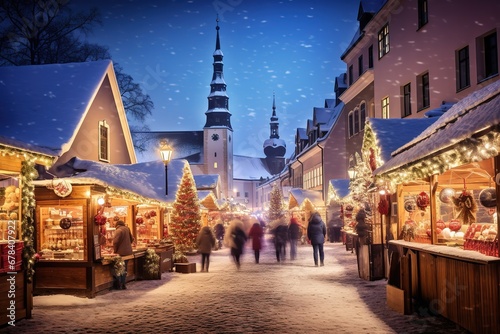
[275, 212]
[185, 220]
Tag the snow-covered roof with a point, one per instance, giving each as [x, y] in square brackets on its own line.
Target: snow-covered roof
[249, 168]
[208, 200]
[208, 181]
[392, 133]
[44, 105]
[186, 145]
[8, 142]
[298, 197]
[145, 179]
[473, 114]
[340, 187]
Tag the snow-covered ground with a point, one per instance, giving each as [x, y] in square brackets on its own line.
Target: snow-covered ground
[269, 297]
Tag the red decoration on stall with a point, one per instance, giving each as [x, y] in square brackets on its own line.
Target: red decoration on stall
[99, 219]
[423, 200]
[383, 206]
[139, 220]
[152, 213]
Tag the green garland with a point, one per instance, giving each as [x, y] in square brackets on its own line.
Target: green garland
[28, 173]
[151, 263]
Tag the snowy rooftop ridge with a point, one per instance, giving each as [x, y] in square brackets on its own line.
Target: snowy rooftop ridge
[27, 92]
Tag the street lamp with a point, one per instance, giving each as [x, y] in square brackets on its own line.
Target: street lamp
[166, 155]
[351, 171]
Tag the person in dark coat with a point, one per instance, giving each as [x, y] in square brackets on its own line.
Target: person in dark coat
[293, 236]
[205, 242]
[219, 233]
[316, 232]
[256, 233]
[280, 238]
[122, 245]
[236, 238]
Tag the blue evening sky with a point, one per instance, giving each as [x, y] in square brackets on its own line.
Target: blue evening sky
[289, 47]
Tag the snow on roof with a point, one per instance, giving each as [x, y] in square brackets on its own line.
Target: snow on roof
[43, 105]
[474, 113]
[208, 181]
[27, 147]
[392, 133]
[146, 179]
[249, 168]
[341, 187]
[274, 142]
[301, 195]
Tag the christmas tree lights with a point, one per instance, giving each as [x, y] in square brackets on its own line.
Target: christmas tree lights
[185, 221]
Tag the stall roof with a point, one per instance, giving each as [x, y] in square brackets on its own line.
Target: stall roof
[208, 200]
[145, 179]
[340, 187]
[475, 115]
[299, 196]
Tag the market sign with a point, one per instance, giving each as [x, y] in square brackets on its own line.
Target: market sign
[62, 188]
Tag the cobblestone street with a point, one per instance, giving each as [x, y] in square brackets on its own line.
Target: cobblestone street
[270, 297]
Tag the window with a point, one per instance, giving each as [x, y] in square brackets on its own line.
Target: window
[237, 194]
[406, 110]
[103, 141]
[360, 65]
[370, 56]
[356, 120]
[423, 13]
[463, 68]
[351, 124]
[351, 78]
[385, 107]
[487, 56]
[383, 41]
[362, 115]
[423, 98]
[246, 194]
[215, 165]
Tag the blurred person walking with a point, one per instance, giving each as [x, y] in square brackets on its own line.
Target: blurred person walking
[293, 236]
[235, 238]
[316, 232]
[219, 233]
[205, 242]
[280, 233]
[256, 233]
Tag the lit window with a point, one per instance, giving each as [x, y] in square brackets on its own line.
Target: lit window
[215, 165]
[385, 107]
[103, 141]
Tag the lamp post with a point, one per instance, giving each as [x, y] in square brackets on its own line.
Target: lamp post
[166, 155]
[351, 171]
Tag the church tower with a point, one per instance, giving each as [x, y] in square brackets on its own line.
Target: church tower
[217, 132]
[274, 147]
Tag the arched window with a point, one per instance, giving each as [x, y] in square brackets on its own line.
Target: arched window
[351, 124]
[362, 115]
[356, 121]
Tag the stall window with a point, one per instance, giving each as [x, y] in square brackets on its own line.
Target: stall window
[147, 225]
[10, 207]
[62, 234]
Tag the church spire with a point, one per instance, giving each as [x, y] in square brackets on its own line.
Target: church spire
[218, 114]
[274, 146]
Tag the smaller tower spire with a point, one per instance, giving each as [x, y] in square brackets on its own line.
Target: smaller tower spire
[217, 41]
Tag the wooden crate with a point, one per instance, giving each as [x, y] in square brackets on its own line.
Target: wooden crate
[397, 300]
[185, 268]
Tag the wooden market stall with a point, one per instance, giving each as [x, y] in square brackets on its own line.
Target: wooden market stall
[75, 227]
[17, 169]
[446, 184]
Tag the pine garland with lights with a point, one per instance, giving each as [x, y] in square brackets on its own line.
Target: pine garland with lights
[275, 204]
[185, 221]
[28, 173]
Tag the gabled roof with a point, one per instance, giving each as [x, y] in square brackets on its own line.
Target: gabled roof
[340, 81]
[45, 105]
[339, 188]
[208, 200]
[321, 115]
[310, 126]
[249, 168]
[301, 134]
[187, 145]
[473, 122]
[145, 179]
[301, 197]
[392, 133]
[208, 181]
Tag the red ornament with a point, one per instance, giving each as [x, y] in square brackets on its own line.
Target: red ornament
[152, 213]
[440, 224]
[455, 225]
[139, 220]
[423, 200]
